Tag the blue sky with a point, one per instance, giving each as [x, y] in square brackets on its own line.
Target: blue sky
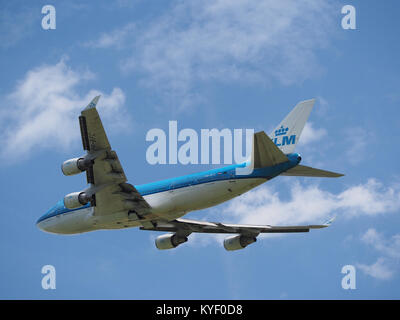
[207, 64]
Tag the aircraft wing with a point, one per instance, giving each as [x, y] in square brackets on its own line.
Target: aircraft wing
[106, 176]
[186, 227]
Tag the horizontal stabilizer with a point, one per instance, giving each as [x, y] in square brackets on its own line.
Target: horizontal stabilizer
[304, 171]
[266, 153]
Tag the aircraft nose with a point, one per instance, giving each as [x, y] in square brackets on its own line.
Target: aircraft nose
[39, 223]
[45, 225]
[42, 222]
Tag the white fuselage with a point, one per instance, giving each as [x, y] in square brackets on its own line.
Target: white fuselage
[166, 205]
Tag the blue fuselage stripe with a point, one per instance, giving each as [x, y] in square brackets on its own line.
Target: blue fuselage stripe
[215, 175]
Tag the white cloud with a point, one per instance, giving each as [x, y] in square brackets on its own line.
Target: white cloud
[379, 270]
[390, 248]
[311, 134]
[42, 110]
[386, 265]
[311, 204]
[305, 204]
[114, 39]
[247, 41]
[323, 106]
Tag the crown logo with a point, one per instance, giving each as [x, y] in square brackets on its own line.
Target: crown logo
[281, 131]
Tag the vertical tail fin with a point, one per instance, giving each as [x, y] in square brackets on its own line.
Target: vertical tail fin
[287, 133]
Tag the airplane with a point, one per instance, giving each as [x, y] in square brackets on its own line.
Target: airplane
[110, 202]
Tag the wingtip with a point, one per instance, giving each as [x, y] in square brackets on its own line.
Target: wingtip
[93, 103]
[329, 222]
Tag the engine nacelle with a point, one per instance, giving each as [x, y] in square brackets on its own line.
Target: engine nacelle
[169, 241]
[76, 199]
[75, 166]
[238, 242]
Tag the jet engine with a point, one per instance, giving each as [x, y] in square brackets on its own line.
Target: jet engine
[169, 241]
[238, 242]
[76, 199]
[75, 166]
